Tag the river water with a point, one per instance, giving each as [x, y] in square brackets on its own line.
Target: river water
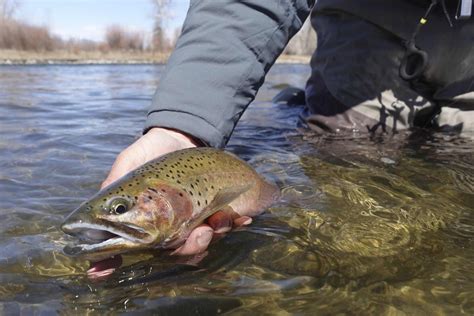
[381, 225]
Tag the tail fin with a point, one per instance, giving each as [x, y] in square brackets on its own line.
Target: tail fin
[269, 194]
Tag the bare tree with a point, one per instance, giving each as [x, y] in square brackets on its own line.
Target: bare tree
[117, 38]
[174, 37]
[162, 13]
[22, 36]
[8, 8]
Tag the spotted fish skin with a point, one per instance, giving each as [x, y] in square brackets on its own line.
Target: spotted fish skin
[158, 204]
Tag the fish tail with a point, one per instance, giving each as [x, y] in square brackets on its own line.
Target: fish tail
[269, 194]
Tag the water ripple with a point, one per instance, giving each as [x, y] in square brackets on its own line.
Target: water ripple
[366, 225]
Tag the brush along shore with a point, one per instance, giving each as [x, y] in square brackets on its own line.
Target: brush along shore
[16, 57]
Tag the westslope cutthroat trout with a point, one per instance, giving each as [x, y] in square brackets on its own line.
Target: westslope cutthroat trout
[161, 202]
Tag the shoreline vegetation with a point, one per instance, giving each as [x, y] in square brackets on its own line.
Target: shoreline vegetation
[19, 57]
[24, 43]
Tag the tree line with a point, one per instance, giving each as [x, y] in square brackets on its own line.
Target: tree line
[20, 35]
[16, 34]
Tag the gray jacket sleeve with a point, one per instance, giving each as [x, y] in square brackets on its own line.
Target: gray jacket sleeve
[221, 58]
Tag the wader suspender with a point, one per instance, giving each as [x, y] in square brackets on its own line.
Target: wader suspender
[415, 60]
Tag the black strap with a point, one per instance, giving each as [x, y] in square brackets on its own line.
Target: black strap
[415, 60]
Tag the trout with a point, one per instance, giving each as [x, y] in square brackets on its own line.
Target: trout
[158, 204]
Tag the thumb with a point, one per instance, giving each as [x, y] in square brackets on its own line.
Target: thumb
[126, 161]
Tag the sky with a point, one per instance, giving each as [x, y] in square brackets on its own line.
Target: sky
[88, 19]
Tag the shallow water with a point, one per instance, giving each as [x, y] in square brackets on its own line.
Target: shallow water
[365, 226]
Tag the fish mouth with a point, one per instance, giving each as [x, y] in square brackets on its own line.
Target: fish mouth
[96, 241]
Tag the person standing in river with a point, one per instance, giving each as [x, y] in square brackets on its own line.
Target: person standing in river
[380, 67]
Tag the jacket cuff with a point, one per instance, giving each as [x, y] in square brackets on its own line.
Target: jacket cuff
[190, 124]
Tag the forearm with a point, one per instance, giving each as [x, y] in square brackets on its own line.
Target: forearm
[220, 61]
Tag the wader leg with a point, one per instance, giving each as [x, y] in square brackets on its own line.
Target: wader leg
[457, 115]
[355, 84]
[389, 112]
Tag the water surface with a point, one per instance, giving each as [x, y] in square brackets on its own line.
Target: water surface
[383, 225]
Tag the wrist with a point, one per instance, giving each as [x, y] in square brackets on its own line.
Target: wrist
[182, 138]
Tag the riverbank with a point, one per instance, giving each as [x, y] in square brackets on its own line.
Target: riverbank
[14, 57]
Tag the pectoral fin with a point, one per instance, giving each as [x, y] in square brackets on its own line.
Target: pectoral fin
[220, 202]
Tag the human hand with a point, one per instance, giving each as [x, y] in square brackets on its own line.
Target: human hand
[157, 142]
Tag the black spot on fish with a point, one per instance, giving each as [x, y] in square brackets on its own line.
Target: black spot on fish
[199, 203]
[180, 194]
[163, 190]
[151, 189]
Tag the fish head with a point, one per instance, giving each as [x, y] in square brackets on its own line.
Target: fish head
[128, 215]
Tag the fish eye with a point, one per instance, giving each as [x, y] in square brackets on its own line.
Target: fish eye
[119, 206]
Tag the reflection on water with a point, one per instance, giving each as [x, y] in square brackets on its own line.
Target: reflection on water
[382, 225]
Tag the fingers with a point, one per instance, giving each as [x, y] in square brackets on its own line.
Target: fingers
[104, 268]
[197, 241]
[242, 221]
[192, 260]
[221, 222]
